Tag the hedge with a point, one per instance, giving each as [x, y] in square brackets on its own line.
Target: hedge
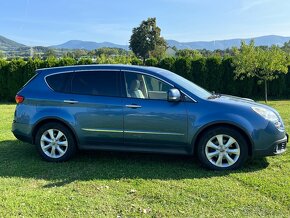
[213, 73]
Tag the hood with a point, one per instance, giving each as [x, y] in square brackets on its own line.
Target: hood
[236, 98]
[237, 104]
[238, 101]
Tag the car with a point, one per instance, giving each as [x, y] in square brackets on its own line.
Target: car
[142, 109]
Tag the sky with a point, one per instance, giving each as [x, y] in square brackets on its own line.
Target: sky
[52, 22]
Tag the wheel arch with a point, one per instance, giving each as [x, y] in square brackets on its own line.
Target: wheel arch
[205, 128]
[55, 120]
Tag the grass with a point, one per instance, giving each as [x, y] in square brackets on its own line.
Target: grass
[97, 184]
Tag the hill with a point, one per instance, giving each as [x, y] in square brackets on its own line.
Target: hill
[8, 44]
[88, 45]
[224, 44]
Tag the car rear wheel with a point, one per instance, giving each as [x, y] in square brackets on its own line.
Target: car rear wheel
[55, 142]
[222, 148]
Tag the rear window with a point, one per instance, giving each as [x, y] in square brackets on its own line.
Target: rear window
[60, 82]
[34, 76]
[103, 83]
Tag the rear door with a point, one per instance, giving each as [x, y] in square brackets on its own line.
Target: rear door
[97, 107]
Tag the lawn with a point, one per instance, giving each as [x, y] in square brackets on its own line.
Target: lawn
[97, 184]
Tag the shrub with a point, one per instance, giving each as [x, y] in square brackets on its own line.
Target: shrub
[213, 73]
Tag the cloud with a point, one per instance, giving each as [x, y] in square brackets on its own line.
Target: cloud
[247, 5]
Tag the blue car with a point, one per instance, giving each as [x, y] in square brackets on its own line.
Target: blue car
[142, 109]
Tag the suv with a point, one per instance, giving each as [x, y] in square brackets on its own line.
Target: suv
[145, 109]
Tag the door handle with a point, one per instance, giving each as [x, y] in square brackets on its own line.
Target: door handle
[70, 101]
[133, 106]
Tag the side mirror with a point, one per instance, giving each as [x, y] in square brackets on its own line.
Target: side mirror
[173, 95]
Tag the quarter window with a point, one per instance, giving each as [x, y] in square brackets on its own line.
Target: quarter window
[60, 82]
[103, 83]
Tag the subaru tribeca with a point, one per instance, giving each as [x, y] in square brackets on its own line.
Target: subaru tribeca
[143, 109]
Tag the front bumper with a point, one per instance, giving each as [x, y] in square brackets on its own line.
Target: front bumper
[276, 148]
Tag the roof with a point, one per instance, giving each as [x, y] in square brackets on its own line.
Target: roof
[153, 70]
[92, 66]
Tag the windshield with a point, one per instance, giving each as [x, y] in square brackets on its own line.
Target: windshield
[190, 86]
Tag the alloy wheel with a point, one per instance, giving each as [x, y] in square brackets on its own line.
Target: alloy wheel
[54, 143]
[222, 150]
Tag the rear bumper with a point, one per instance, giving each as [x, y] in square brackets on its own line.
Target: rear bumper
[23, 132]
[23, 138]
[278, 147]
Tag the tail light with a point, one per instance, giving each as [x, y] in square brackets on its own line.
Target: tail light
[19, 99]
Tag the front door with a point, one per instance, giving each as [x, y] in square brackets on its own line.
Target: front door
[150, 121]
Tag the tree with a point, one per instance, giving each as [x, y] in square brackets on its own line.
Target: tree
[1, 54]
[50, 53]
[214, 71]
[158, 52]
[110, 52]
[286, 47]
[167, 63]
[146, 40]
[263, 63]
[151, 62]
[195, 54]
[182, 67]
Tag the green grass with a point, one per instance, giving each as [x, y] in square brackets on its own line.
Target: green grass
[95, 184]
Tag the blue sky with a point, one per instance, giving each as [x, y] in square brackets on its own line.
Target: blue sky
[37, 22]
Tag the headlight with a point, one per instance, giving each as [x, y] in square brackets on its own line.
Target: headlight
[269, 115]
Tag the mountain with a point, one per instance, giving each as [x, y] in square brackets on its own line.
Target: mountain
[78, 44]
[8, 44]
[224, 44]
[209, 45]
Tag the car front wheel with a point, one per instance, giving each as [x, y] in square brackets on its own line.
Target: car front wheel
[222, 148]
[55, 142]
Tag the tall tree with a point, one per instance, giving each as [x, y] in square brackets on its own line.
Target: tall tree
[146, 40]
[263, 63]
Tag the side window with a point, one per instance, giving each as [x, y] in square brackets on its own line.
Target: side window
[103, 83]
[144, 86]
[60, 82]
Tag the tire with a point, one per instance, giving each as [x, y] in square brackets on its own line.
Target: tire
[222, 148]
[55, 142]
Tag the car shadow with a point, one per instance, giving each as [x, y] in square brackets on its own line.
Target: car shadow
[18, 159]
